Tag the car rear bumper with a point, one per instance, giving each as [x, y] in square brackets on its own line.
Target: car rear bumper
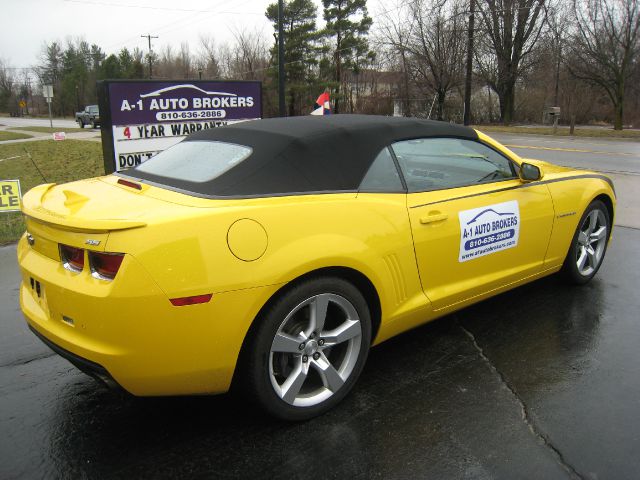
[127, 331]
[87, 366]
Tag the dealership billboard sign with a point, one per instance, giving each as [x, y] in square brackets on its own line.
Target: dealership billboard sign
[141, 118]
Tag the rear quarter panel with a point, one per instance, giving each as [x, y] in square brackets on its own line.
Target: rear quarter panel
[369, 233]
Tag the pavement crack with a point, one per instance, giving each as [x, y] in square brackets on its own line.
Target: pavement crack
[524, 410]
[626, 226]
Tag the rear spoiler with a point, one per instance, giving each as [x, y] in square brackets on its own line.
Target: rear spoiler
[32, 207]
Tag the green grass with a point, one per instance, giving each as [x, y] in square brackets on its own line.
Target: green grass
[49, 129]
[5, 135]
[562, 131]
[58, 162]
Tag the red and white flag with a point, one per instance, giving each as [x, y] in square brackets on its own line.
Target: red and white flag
[323, 105]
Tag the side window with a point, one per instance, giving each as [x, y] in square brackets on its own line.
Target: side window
[439, 163]
[382, 175]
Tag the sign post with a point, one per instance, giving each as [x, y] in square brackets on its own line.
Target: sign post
[47, 92]
[142, 118]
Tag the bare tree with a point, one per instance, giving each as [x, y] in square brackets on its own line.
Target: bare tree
[252, 54]
[6, 84]
[605, 46]
[184, 62]
[164, 65]
[438, 47]
[557, 37]
[209, 58]
[395, 30]
[512, 28]
[248, 59]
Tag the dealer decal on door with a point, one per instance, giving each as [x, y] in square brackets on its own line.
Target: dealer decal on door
[488, 229]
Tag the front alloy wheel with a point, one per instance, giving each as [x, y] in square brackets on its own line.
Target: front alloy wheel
[309, 348]
[589, 244]
[592, 239]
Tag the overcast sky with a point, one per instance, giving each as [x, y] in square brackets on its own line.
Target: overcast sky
[113, 24]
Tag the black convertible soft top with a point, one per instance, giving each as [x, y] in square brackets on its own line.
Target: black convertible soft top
[305, 154]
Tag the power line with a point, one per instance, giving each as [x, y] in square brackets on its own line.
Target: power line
[155, 8]
[175, 25]
[158, 29]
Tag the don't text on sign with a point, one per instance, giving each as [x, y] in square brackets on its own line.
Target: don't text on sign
[9, 195]
[141, 119]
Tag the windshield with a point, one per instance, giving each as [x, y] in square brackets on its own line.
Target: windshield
[195, 161]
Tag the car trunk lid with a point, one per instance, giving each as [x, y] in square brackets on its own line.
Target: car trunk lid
[83, 213]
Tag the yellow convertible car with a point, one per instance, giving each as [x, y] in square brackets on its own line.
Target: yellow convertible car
[270, 255]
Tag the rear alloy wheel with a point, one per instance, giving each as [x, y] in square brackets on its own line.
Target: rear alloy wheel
[310, 349]
[589, 244]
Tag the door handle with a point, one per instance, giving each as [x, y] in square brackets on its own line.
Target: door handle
[436, 217]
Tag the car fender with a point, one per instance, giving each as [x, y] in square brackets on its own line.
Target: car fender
[571, 195]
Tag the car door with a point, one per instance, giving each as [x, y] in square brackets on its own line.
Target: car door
[476, 226]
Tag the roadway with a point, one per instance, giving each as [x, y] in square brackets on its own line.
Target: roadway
[619, 159]
[36, 122]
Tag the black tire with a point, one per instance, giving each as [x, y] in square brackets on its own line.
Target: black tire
[258, 368]
[570, 269]
[93, 125]
[81, 123]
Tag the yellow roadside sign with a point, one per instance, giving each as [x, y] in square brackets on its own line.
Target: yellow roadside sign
[22, 104]
[10, 195]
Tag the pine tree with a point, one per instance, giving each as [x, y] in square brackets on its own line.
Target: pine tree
[348, 22]
[301, 50]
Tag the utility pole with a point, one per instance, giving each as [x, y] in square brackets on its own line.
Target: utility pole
[467, 83]
[557, 89]
[149, 37]
[281, 106]
[29, 96]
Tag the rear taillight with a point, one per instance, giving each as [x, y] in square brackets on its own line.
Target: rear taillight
[72, 258]
[105, 265]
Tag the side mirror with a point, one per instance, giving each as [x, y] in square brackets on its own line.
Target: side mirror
[529, 172]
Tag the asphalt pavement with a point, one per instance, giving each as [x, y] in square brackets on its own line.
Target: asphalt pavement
[540, 382]
[37, 122]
